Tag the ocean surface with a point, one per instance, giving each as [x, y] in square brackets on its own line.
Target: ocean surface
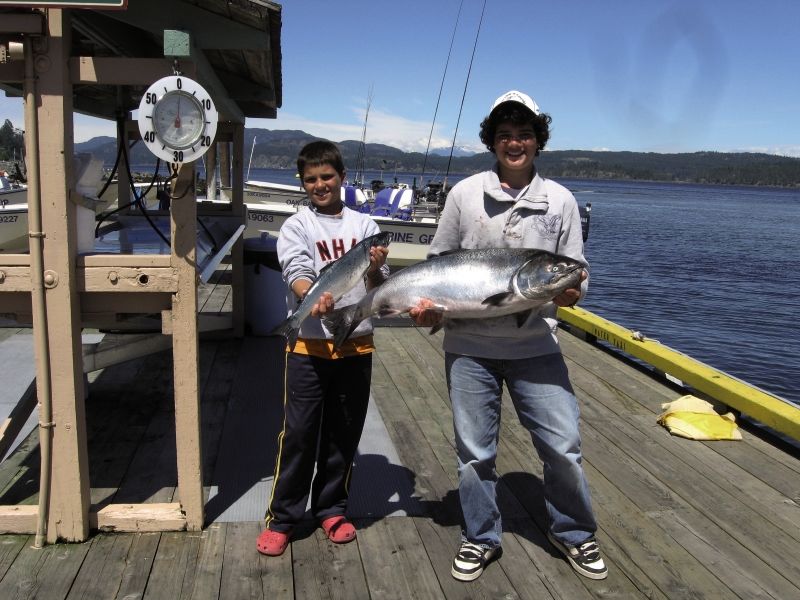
[711, 271]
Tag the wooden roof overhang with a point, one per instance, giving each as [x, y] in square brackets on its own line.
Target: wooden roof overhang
[234, 53]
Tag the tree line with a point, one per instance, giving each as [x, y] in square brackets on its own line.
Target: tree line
[277, 149]
[12, 142]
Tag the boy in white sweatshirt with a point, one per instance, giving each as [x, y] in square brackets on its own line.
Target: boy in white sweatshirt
[327, 390]
[512, 206]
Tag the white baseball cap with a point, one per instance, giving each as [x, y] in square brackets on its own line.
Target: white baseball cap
[519, 98]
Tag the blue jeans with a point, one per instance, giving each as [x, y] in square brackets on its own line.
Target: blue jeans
[546, 406]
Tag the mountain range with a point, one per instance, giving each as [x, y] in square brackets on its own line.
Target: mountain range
[277, 149]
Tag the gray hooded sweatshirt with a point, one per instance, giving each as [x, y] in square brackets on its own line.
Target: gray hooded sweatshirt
[480, 214]
[308, 241]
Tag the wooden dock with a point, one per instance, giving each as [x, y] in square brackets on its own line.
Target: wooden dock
[678, 518]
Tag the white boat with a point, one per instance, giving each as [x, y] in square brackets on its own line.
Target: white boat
[13, 227]
[266, 192]
[14, 216]
[412, 226]
[12, 192]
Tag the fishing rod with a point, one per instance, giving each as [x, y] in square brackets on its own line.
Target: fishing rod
[439, 97]
[362, 148]
[461, 108]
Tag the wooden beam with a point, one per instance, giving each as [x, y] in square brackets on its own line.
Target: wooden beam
[32, 23]
[18, 519]
[123, 71]
[68, 517]
[126, 279]
[133, 261]
[208, 29]
[140, 517]
[12, 72]
[185, 353]
[15, 279]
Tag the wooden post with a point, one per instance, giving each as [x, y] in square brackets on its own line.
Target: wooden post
[185, 354]
[69, 500]
[212, 184]
[237, 252]
[224, 149]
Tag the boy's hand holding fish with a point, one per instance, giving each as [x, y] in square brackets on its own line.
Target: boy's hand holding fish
[325, 303]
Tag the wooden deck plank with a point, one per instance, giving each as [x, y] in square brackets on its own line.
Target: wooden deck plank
[395, 562]
[10, 547]
[46, 573]
[662, 491]
[431, 481]
[703, 457]
[216, 393]
[118, 416]
[216, 295]
[650, 393]
[248, 574]
[673, 523]
[424, 402]
[330, 571]
[174, 566]
[520, 473]
[101, 572]
[712, 582]
[205, 583]
[137, 564]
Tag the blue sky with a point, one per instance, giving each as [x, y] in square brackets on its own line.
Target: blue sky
[638, 75]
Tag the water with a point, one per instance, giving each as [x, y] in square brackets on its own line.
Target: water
[287, 176]
[711, 271]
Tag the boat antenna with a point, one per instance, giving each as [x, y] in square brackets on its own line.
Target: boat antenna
[253, 147]
[439, 97]
[361, 158]
[461, 108]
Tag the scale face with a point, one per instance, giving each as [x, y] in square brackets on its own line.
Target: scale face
[177, 119]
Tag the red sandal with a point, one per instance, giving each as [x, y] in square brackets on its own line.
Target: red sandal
[272, 543]
[338, 529]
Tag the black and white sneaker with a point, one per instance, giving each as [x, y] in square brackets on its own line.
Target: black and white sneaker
[472, 559]
[584, 558]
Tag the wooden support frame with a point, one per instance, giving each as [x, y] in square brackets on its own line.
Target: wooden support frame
[88, 287]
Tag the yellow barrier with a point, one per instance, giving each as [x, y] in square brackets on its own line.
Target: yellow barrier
[761, 406]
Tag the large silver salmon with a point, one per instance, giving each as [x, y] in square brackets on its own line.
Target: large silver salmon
[338, 278]
[466, 284]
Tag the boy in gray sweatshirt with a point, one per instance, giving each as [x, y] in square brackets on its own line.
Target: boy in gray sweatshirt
[327, 390]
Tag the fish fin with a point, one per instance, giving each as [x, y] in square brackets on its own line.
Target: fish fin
[499, 299]
[388, 312]
[453, 251]
[435, 328]
[289, 330]
[341, 323]
[523, 316]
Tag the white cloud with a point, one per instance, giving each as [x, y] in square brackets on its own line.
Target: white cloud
[86, 128]
[780, 150]
[382, 128]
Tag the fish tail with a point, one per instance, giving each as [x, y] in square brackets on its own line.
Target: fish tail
[288, 329]
[341, 322]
